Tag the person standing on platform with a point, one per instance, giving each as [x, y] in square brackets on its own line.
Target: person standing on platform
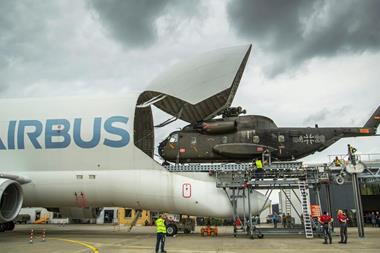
[343, 222]
[259, 169]
[337, 162]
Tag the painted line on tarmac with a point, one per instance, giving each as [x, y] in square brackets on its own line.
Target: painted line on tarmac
[141, 247]
[94, 250]
[178, 250]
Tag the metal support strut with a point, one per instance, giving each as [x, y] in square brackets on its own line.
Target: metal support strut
[358, 204]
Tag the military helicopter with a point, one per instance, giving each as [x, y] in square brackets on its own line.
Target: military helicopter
[236, 138]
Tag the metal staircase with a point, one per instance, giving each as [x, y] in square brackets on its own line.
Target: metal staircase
[305, 204]
[288, 205]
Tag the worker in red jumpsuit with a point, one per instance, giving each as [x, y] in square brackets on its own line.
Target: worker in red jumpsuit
[325, 220]
[343, 220]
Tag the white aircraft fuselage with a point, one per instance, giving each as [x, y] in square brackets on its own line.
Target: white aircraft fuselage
[80, 152]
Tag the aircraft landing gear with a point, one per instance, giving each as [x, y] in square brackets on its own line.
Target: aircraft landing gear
[9, 226]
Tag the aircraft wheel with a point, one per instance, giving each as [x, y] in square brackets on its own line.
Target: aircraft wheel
[171, 230]
[9, 226]
[187, 231]
[260, 236]
[2, 227]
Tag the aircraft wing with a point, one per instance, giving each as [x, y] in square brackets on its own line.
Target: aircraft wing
[199, 88]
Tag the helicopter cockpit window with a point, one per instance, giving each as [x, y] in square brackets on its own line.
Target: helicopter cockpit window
[173, 138]
[256, 139]
[281, 138]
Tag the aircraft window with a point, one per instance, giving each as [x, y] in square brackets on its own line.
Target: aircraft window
[79, 177]
[281, 138]
[193, 140]
[225, 139]
[91, 176]
[173, 138]
[256, 139]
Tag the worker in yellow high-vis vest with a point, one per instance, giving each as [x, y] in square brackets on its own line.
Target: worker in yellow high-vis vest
[259, 169]
[161, 233]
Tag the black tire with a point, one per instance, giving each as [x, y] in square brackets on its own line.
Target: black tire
[10, 226]
[260, 236]
[187, 231]
[7, 226]
[171, 230]
[2, 227]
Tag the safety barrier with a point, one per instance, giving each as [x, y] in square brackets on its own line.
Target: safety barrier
[33, 235]
[231, 167]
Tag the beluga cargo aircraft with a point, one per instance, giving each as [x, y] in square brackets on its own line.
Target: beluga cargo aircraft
[74, 155]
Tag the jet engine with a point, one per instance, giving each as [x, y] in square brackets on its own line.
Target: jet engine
[218, 127]
[11, 198]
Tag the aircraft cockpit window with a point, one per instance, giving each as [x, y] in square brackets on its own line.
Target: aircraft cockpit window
[255, 139]
[193, 140]
[173, 138]
[281, 138]
[224, 139]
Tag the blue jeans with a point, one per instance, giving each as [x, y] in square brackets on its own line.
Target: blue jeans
[160, 240]
[343, 232]
[326, 232]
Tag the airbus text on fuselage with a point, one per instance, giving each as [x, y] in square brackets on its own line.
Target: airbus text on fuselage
[60, 133]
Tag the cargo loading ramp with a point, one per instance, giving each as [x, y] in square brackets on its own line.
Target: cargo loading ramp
[199, 88]
[193, 90]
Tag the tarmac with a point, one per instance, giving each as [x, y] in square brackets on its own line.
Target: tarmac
[110, 239]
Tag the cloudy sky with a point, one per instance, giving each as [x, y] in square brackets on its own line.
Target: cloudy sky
[312, 61]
